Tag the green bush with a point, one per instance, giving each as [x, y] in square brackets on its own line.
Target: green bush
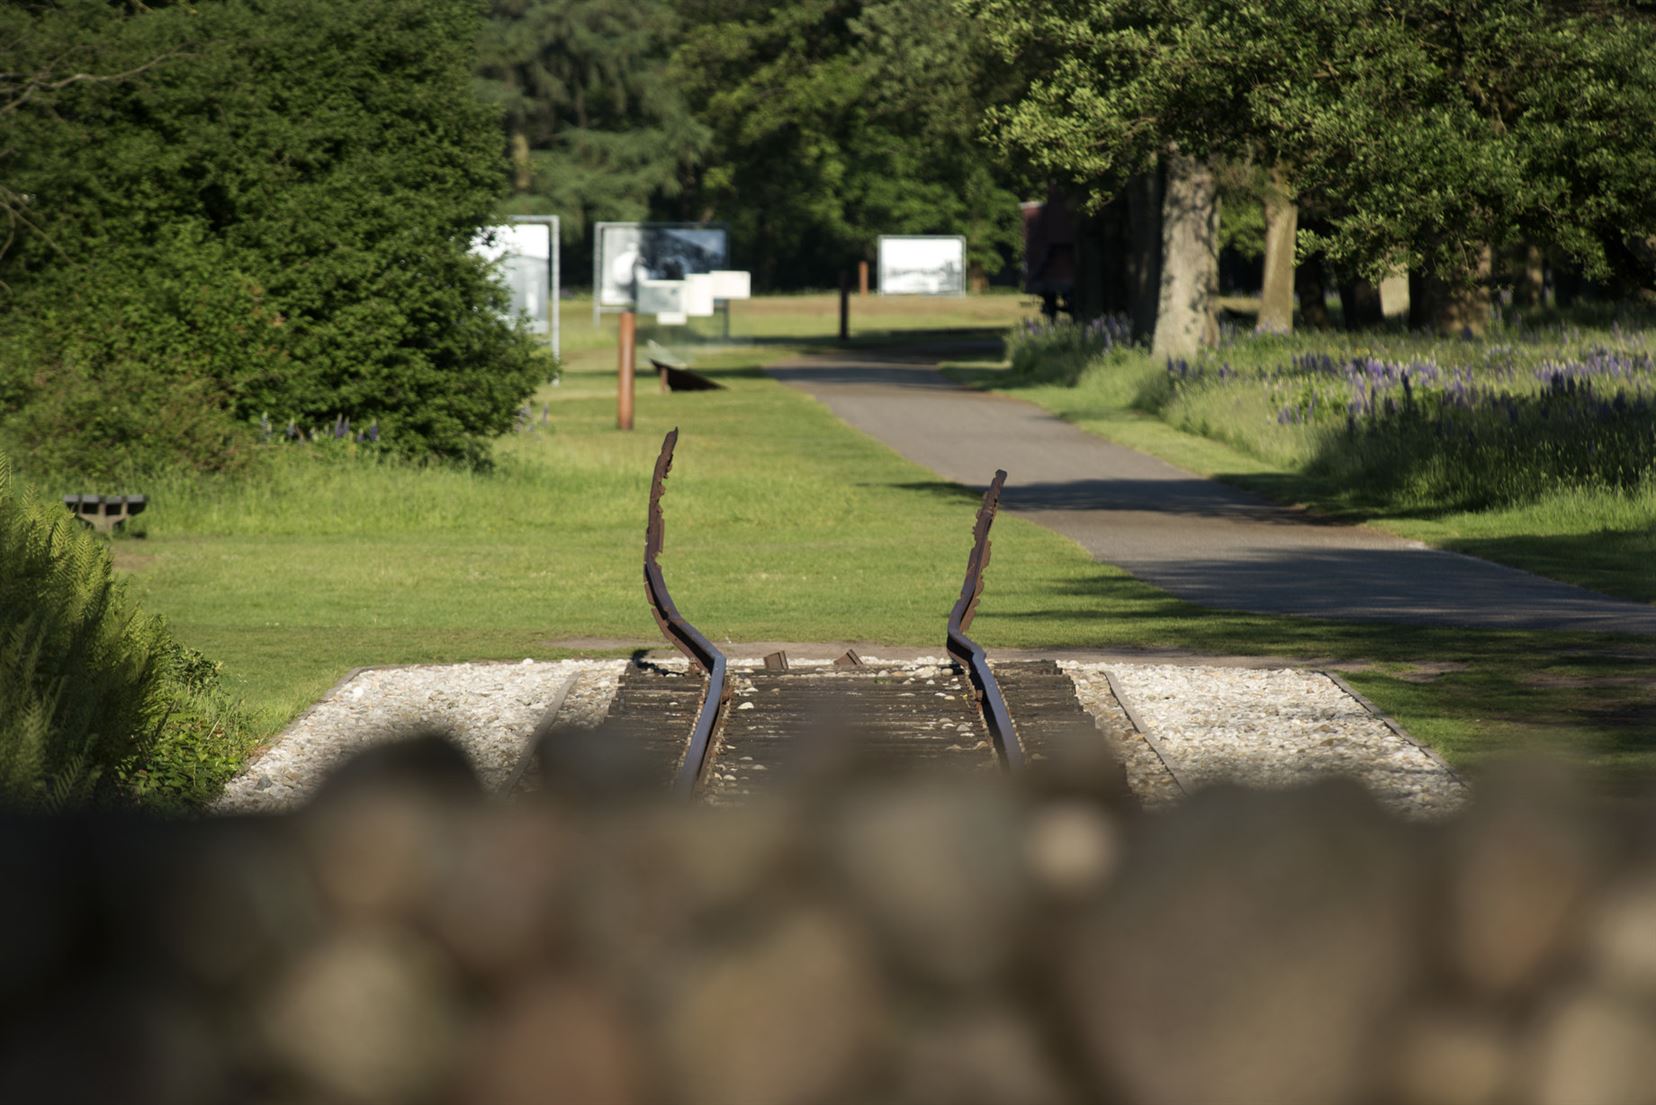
[82, 685]
[268, 215]
[98, 705]
[133, 369]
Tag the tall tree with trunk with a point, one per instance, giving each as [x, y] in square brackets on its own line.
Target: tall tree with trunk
[1117, 87]
[1440, 130]
[1429, 130]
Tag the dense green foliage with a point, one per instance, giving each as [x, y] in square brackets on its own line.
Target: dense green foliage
[808, 128]
[1426, 131]
[595, 127]
[835, 121]
[250, 209]
[81, 689]
[98, 703]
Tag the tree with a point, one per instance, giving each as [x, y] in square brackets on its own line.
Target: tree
[835, 121]
[595, 128]
[1427, 130]
[1120, 86]
[271, 217]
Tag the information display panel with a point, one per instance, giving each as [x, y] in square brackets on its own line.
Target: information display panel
[525, 255]
[922, 264]
[625, 252]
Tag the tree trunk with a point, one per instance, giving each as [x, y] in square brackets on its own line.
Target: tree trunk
[1453, 307]
[1144, 217]
[523, 179]
[1529, 284]
[1360, 304]
[1276, 299]
[1394, 295]
[1185, 313]
[1311, 284]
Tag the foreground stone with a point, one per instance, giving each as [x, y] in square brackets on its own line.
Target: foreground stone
[860, 937]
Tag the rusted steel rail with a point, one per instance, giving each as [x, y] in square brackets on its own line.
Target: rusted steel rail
[684, 636]
[967, 651]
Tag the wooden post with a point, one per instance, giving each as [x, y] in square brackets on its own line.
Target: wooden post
[627, 348]
[862, 277]
[845, 306]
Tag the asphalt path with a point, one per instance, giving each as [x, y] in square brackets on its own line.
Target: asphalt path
[1204, 541]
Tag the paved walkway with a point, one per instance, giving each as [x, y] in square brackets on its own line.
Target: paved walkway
[1199, 539]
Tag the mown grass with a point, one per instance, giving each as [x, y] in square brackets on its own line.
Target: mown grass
[1502, 466]
[782, 524]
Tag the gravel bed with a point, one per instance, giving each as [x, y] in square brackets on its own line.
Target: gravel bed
[490, 709]
[1272, 728]
[1148, 776]
[1278, 728]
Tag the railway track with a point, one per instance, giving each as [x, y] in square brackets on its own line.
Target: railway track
[717, 732]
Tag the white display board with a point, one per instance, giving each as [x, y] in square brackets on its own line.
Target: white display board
[922, 264]
[525, 255]
[698, 295]
[661, 297]
[731, 284]
[624, 253]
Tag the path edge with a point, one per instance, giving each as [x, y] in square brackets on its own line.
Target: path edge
[1362, 700]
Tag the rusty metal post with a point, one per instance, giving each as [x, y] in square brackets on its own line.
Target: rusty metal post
[862, 277]
[627, 348]
[845, 306]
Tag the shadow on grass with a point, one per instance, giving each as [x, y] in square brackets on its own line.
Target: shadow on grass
[936, 489]
[1588, 696]
[1597, 560]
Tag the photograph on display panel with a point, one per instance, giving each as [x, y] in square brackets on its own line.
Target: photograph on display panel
[522, 253]
[922, 264]
[655, 251]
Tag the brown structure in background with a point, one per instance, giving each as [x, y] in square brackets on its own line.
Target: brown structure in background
[1049, 253]
[1108, 262]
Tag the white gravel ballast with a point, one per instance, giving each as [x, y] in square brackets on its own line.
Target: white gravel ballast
[1277, 728]
[491, 710]
[1200, 725]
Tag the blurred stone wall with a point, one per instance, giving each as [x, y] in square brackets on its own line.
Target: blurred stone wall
[865, 939]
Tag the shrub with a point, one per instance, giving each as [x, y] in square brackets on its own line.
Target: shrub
[98, 704]
[82, 684]
[129, 365]
[269, 215]
[1059, 352]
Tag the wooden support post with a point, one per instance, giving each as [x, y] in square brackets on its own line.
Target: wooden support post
[845, 306]
[862, 277]
[627, 347]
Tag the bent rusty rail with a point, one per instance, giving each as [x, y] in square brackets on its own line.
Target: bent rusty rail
[967, 651]
[684, 636]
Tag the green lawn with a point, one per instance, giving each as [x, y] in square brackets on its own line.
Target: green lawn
[781, 524]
